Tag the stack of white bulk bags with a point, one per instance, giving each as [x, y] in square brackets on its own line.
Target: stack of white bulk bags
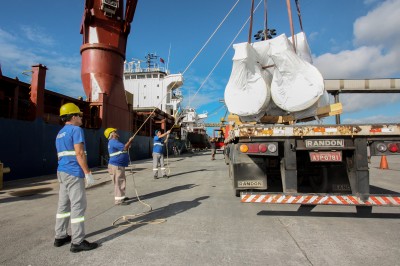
[273, 69]
[247, 93]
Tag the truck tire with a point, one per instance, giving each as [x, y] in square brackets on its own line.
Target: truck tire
[237, 193]
[364, 211]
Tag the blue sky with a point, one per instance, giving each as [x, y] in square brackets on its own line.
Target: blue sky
[348, 39]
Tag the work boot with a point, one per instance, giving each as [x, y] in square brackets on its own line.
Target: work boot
[165, 176]
[58, 242]
[83, 246]
[155, 176]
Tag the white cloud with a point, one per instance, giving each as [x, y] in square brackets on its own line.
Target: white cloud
[196, 94]
[363, 62]
[356, 102]
[371, 119]
[18, 55]
[380, 26]
[376, 55]
[36, 34]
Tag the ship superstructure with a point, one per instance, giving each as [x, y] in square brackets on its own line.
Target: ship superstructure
[193, 128]
[152, 85]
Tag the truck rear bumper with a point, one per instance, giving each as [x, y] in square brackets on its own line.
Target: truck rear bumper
[321, 199]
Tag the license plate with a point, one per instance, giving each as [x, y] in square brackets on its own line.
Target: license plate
[326, 156]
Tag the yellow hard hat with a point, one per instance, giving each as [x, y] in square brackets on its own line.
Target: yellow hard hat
[108, 131]
[69, 108]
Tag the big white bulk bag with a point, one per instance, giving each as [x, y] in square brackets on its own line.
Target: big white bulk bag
[302, 47]
[296, 84]
[312, 110]
[247, 92]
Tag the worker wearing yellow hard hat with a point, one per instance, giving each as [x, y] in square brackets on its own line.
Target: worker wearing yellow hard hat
[72, 172]
[119, 159]
[69, 109]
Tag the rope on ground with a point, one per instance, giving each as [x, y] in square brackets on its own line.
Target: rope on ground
[124, 221]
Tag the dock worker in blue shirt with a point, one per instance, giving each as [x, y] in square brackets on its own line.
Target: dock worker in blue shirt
[119, 159]
[72, 172]
[158, 153]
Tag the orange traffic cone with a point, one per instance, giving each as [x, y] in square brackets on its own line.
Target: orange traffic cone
[384, 163]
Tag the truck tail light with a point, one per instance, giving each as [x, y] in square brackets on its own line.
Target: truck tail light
[244, 148]
[393, 147]
[262, 148]
[258, 148]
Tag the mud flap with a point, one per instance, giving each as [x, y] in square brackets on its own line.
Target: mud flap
[249, 176]
[289, 168]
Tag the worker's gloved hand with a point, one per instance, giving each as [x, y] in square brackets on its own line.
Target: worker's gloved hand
[89, 179]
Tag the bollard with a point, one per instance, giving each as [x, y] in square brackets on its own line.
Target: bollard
[3, 170]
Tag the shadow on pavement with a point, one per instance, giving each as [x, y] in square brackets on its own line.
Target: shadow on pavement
[160, 213]
[306, 211]
[27, 196]
[379, 190]
[161, 192]
[183, 173]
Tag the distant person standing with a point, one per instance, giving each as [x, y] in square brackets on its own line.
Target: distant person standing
[158, 153]
[119, 159]
[72, 172]
[213, 149]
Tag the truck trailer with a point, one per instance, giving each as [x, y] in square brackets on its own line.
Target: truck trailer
[281, 161]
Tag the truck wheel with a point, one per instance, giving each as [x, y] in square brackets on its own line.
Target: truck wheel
[237, 193]
[364, 210]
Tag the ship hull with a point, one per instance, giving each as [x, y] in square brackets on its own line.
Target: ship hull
[28, 147]
[198, 140]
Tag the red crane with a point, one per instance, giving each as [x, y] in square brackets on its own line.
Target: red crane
[105, 31]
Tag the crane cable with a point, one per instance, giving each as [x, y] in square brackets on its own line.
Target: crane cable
[125, 218]
[219, 60]
[168, 170]
[226, 50]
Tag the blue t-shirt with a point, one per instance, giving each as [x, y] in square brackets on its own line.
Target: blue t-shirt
[66, 138]
[158, 145]
[119, 159]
